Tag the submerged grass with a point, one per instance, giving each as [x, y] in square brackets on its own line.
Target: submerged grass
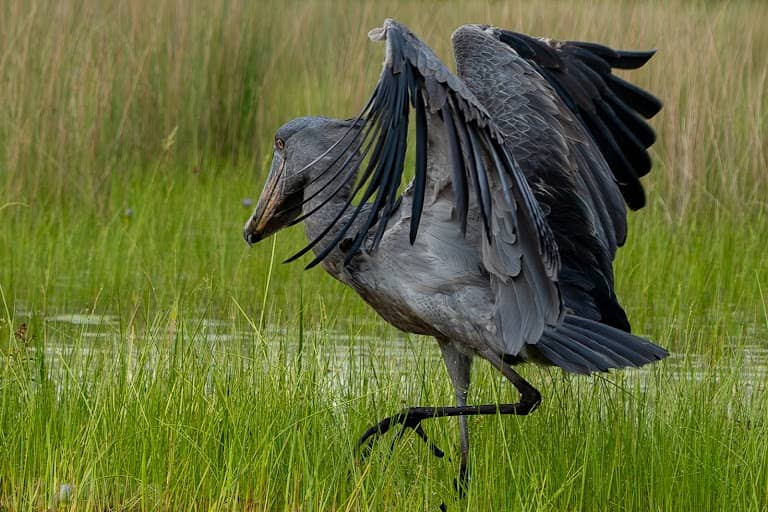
[164, 366]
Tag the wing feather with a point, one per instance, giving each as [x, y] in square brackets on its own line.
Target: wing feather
[581, 74]
[581, 137]
[413, 77]
[420, 177]
[458, 173]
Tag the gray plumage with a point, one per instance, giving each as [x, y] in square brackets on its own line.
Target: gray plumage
[502, 245]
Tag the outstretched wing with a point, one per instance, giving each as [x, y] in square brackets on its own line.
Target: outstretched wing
[611, 109]
[578, 133]
[453, 129]
[413, 78]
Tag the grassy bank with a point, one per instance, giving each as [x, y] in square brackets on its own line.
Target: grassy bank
[166, 366]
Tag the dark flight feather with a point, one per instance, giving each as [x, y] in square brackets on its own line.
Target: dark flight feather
[458, 174]
[420, 178]
[609, 108]
[414, 78]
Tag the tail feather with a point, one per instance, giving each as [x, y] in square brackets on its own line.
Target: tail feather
[580, 345]
[643, 348]
[603, 344]
[612, 349]
[569, 356]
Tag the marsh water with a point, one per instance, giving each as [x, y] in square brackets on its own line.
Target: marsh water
[85, 337]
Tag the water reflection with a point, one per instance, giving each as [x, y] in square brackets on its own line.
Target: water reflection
[340, 355]
[80, 319]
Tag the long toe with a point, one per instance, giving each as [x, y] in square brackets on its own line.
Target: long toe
[436, 451]
[365, 443]
[407, 421]
[419, 430]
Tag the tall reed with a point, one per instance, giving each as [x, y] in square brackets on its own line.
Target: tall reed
[89, 87]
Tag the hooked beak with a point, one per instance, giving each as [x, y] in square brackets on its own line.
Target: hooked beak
[274, 209]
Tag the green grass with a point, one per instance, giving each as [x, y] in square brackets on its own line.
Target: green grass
[169, 417]
[223, 380]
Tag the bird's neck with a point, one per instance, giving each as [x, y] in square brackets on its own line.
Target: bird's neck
[326, 203]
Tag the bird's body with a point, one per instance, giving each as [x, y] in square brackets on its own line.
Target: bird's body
[438, 290]
[502, 245]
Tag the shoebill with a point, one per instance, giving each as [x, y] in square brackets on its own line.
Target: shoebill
[501, 246]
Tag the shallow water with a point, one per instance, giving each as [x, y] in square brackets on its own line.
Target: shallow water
[339, 354]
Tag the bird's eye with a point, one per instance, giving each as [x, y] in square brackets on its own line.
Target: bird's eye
[280, 144]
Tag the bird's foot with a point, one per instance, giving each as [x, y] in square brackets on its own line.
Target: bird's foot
[407, 420]
[461, 482]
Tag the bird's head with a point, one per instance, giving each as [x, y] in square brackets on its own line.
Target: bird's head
[300, 153]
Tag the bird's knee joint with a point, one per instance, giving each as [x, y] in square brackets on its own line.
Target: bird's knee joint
[530, 401]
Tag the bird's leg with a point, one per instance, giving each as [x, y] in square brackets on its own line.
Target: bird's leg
[458, 365]
[530, 398]
[412, 416]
